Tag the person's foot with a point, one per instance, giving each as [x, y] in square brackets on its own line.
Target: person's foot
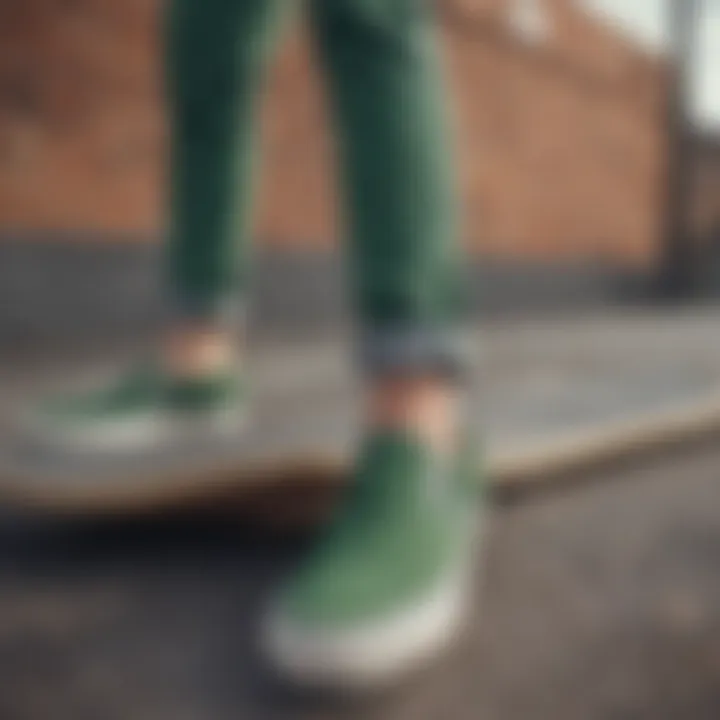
[139, 410]
[389, 585]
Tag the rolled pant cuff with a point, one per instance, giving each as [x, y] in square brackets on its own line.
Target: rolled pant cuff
[409, 349]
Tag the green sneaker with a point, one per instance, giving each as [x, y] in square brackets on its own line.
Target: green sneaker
[389, 585]
[139, 410]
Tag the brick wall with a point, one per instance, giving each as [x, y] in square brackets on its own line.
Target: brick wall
[560, 140]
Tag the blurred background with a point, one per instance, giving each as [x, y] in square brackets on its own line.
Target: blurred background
[586, 131]
[588, 136]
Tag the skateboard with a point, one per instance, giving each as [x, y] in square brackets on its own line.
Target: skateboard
[283, 490]
[282, 484]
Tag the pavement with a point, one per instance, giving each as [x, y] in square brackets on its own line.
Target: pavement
[598, 603]
[600, 600]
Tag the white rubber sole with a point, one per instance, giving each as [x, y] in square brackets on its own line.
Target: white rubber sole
[373, 655]
[138, 434]
[367, 656]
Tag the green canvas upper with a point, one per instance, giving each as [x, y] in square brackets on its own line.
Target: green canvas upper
[144, 390]
[404, 528]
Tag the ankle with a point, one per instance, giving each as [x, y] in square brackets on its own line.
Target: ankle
[426, 407]
[195, 352]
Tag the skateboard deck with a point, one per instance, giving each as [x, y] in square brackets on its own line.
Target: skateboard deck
[291, 450]
[285, 488]
[285, 479]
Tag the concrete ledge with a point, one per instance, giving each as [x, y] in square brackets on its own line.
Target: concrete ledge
[297, 492]
[577, 456]
[60, 291]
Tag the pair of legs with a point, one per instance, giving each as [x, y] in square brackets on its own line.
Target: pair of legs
[385, 587]
[379, 58]
[386, 584]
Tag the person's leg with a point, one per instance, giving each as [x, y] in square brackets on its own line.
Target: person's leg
[386, 588]
[216, 51]
[381, 59]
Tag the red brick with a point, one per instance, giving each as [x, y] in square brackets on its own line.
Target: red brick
[561, 142]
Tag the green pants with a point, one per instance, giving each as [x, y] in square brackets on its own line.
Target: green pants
[380, 60]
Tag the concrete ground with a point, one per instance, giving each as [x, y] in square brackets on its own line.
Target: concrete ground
[598, 603]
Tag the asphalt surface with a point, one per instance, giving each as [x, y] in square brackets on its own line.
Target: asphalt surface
[600, 602]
